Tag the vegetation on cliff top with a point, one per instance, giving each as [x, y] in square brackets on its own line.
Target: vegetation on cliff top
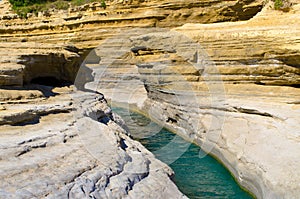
[22, 7]
[283, 5]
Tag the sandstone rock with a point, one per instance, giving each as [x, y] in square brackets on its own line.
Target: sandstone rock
[243, 124]
[253, 57]
[11, 74]
[6, 10]
[117, 15]
[20, 64]
[257, 120]
[70, 152]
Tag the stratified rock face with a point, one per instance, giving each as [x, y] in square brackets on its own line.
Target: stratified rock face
[23, 62]
[235, 92]
[60, 143]
[70, 145]
[169, 12]
[54, 43]
[88, 25]
[264, 50]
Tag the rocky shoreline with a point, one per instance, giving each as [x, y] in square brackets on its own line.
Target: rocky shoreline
[72, 146]
[246, 113]
[237, 97]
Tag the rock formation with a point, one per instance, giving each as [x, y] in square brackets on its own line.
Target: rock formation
[232, 88]
[235, 92]
[57, 143]
[86, 27]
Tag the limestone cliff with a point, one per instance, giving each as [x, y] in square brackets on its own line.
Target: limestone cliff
[235, 92]
[87, 26]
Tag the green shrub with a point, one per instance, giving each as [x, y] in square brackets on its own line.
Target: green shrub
[61, 5]
[23, 3]
[103, 4]
[278, 4]
[78, 2]
[283, 5]
[22, 7]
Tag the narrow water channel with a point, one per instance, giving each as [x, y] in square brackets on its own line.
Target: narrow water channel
[196, 177]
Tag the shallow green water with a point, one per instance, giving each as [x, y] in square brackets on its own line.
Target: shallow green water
[196, 177]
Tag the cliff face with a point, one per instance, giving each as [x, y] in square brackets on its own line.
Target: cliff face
[234, 92]
[263, 50]
[23, 62]
[86, 27]
[233, 88]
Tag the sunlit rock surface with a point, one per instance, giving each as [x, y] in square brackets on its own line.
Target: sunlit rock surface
[235, 93]
[70, 145]
[238, 99]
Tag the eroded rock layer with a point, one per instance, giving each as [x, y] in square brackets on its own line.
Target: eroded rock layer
[235, 92]
[85, 27]
[70, 145]
[233, 88]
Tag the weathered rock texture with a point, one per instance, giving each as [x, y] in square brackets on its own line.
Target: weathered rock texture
[71, 145]
[50, 150]
[237, 97]
[23, 62]
[235, 92]
[264, 50]
[87, 26]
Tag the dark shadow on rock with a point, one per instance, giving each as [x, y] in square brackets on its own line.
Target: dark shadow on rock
[84, 76]
[33, 121]
[123, 145]
[50, 81]
[46, 90]
[104, 119]
[92, 58]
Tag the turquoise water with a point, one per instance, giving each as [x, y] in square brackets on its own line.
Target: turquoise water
[196, 176]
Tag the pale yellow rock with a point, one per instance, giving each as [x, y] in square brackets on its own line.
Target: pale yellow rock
[222, 108]
[243, 110]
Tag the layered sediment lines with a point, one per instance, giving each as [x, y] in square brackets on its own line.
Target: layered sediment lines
[232, 88]
[263, 50]
[57, 143]
[235, 92]
[86, 27]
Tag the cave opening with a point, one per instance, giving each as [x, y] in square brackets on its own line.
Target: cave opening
[295, 85]
[50, 81]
